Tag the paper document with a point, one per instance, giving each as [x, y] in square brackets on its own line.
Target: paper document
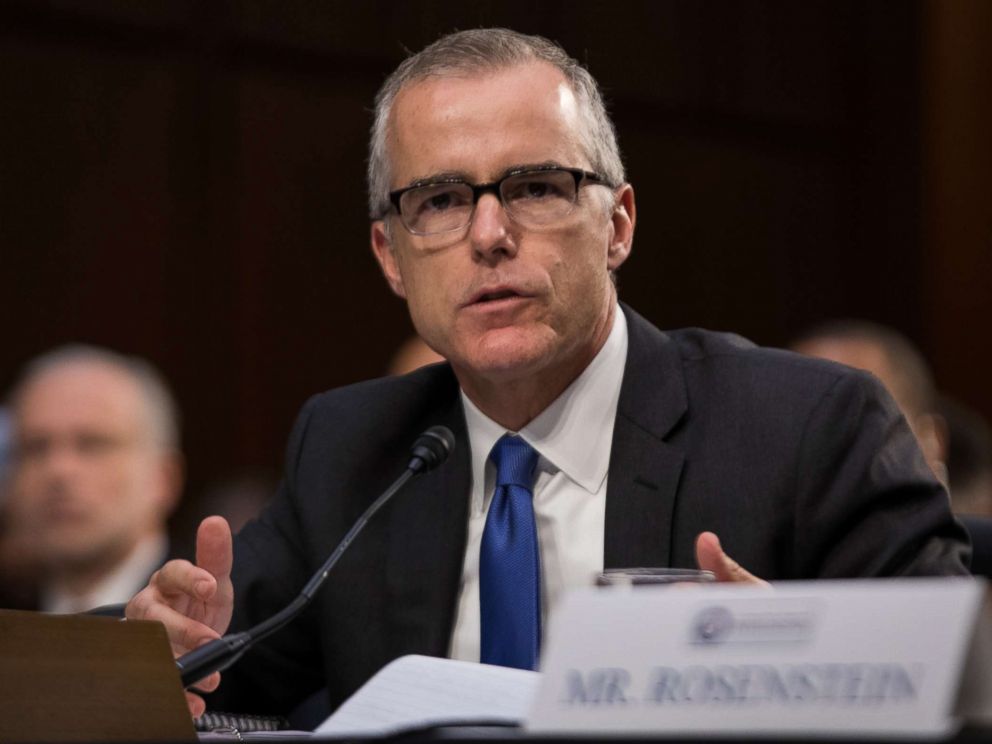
[416, 692]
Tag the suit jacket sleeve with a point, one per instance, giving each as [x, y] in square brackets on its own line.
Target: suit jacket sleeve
[867, 503]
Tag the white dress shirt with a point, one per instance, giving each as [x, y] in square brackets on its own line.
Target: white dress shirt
[573, 437]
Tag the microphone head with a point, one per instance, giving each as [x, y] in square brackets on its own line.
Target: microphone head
[431, 449]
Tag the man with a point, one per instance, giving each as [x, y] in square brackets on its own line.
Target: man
[412, 354]
[969, 458]
[500, 212]
[95, 473]
[898, 364]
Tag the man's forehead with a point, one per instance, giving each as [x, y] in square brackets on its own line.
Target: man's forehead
[482, 123]
[855, 352]
[79, 392]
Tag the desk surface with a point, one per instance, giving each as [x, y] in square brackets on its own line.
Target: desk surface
[511, 735]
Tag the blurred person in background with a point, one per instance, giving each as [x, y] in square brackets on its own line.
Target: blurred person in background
[4, 445]
[412, 354]
[969, 458]
[969, 465]
[16, 556]
[898, 364]
[95, 472]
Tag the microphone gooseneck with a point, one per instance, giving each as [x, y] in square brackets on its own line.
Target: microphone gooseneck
[429, 450]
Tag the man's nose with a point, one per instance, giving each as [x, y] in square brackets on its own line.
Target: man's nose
[61, 459]
[489, 230]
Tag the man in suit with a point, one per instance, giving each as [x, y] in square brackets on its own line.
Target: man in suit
[500, 213]
[95, 473]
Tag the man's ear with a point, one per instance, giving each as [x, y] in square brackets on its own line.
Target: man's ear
[171, 473]
[382, 247]
[623, 218]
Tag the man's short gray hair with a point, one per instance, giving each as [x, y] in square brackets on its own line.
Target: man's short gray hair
[161, 410]
[484, 50]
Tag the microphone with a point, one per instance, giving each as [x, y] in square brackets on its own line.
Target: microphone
[429, 450]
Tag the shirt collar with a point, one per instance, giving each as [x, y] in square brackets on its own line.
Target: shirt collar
[575, 432]
[119, 585]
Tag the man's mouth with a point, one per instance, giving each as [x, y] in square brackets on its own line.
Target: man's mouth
[498, 295]
[495, 294]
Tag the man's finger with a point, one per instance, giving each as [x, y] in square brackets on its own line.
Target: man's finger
[184, 633]
[182, 578]
[209, 683]
[196, 705]
[214, 551]
[710, 557]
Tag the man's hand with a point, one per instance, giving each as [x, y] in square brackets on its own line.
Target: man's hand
[194, 602]
[710, 556]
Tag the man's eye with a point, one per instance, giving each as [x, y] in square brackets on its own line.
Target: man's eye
[33, 448]
[537, 189]
[440, 199]
[440, 202]
[534, 189]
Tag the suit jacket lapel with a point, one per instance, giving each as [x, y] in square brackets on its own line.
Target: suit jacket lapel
[427, 535]
[645, 468]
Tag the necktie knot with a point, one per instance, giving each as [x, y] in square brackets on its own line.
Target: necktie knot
[515, 461]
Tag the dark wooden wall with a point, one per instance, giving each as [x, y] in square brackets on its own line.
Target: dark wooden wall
[184, 180]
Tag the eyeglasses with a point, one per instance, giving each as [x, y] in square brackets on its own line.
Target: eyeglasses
[532, 197]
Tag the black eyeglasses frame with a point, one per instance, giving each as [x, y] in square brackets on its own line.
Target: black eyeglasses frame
[493, 187]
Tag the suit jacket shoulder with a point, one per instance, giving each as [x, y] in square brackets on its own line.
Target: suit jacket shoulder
[804, 468]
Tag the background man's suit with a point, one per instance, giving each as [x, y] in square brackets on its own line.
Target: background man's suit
[803, 468]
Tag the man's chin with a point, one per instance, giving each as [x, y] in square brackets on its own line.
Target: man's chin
[500, 362]
[74, 552]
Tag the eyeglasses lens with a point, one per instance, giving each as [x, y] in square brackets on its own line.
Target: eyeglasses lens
[437, 208]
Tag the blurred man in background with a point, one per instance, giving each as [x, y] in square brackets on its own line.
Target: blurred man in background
[955, 439]
[95, 472]
[898, 364]
[969, 457]
[412, 354]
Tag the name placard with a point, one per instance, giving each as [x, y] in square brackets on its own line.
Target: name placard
[830, 657]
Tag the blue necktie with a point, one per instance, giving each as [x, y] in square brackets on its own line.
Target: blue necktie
[509, 562]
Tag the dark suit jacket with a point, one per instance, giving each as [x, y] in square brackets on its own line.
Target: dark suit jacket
[803, 468]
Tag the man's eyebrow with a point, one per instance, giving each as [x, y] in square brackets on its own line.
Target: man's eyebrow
[529, 166]
[462, 177]
[519, 167]
[443, 177]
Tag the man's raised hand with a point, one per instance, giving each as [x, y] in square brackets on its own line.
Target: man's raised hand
[194, 602]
